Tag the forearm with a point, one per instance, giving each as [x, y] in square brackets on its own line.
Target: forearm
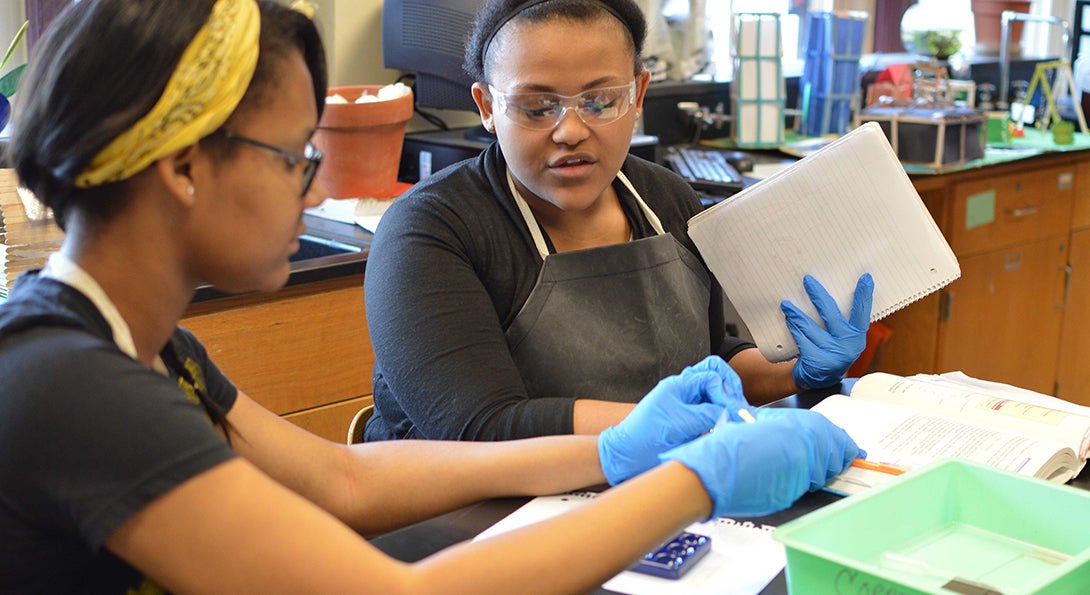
[384, 485]
[392, 484]
[591, 417]
[590, 544]
[762, 380]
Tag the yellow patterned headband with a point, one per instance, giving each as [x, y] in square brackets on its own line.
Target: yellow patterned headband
[206, 87]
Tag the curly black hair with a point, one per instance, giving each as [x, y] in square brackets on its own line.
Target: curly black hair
[497, 13]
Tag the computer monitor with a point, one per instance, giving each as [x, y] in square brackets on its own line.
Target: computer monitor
[429, 38]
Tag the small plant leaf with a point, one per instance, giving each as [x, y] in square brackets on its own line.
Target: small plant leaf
[10, 81]
[14, 44]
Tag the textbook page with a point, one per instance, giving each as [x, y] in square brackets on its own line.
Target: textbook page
[959, 379]
[743, 559]
[907, 438]
[845, 210]
[978, 403]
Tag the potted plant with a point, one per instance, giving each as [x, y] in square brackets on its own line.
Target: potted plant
[10, 81]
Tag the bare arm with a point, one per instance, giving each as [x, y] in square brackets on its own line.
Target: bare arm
[376, 487]
[602, 527]
[591, 417]
[762, 380]
[235, 529]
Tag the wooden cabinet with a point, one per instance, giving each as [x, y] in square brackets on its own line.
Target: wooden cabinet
[1073, 376]
[1002, 320]
[303, 352]
[1014, 314]
[1004, 210]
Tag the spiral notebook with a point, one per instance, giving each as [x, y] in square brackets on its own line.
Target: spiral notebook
[845, 210]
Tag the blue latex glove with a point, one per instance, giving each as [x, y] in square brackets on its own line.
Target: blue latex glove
[754, 469]
[825, 354]
[677, 410]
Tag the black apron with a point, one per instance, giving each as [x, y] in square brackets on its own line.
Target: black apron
[608, 323]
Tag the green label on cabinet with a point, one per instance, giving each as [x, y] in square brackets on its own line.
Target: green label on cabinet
[980, 209]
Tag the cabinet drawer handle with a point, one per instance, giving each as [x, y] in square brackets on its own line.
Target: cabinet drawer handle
[1022, 212]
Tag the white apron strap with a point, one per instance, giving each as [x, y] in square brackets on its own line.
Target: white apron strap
[535, 228]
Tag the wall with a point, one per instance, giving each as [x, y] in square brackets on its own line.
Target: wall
[12, 15]
[1042, 39]
[352, 31]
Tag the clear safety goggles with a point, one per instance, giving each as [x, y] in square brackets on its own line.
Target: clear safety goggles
[543, 111]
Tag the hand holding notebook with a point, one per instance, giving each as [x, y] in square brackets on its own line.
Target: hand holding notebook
[845, 210]
[825, 354]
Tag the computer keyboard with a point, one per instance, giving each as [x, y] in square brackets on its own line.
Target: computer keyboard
[705, 169]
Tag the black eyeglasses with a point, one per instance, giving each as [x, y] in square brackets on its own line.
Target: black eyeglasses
[312, 157]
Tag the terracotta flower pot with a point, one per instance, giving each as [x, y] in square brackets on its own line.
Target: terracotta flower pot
[988, 22]
[362, 143]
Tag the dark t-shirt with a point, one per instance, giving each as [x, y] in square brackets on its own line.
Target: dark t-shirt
[88, 437]
[449, 269]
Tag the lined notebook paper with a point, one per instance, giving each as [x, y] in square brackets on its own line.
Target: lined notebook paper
[842, 211]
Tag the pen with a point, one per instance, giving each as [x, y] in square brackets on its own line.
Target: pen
[880, 467]
[725, 417]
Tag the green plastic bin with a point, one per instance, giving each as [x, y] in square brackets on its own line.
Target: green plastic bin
[950, 527]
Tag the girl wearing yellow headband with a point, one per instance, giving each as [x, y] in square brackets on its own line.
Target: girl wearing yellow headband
[171, 139]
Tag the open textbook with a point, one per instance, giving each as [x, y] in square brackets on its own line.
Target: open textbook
[905, 422]
[845, 210]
